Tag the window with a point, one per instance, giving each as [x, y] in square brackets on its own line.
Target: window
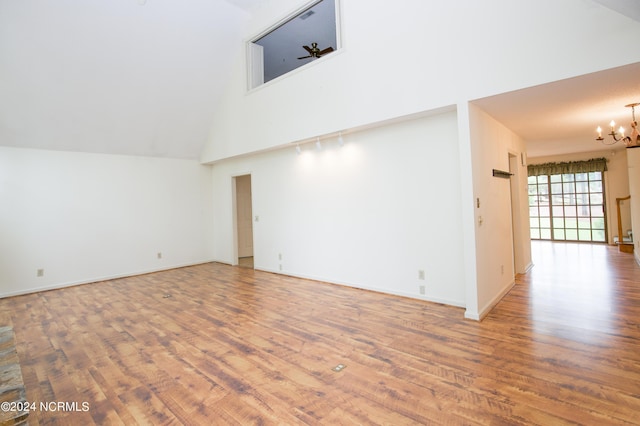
[567, 207]
[301, 39]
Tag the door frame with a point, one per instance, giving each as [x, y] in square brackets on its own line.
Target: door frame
[520, 233]
[234, 213]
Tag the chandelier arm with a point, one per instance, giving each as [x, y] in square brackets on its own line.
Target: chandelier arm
[603, 141]
[627, 140]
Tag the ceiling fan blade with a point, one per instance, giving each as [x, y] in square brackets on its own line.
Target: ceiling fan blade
[308, 49]
[305, 57]
[325, 51]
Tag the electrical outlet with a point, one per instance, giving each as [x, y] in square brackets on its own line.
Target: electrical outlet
[421, 274]
[159, 255]
[422, 289]
[279, 256]
[280, 266]
[40, 273]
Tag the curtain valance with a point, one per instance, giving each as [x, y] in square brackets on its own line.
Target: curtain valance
[593, 165]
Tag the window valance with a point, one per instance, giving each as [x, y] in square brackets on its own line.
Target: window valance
[593, 165]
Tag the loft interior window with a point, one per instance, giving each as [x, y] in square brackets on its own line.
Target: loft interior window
[302, 38]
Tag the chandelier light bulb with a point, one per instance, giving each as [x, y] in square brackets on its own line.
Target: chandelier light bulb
[619, 136]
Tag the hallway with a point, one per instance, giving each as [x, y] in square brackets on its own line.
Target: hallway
[579, 291]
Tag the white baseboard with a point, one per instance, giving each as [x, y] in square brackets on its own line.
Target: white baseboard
[456, 303]
[98, 279]
[489, 306]
[472, 315]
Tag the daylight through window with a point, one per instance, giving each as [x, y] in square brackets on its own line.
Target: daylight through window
[567, 207]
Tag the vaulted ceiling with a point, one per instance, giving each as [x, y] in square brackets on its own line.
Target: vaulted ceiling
[121, 77]
[144, 77]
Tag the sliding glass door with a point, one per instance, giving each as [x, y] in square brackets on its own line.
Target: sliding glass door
[567, 207]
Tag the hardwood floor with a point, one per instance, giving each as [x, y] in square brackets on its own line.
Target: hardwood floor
[214, 344]
[246, 262]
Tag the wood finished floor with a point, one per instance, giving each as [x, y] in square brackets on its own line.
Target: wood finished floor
[214, 344]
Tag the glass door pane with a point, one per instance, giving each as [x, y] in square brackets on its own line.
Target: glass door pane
[567, 207]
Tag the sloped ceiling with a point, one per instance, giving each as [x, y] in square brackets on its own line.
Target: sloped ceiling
[143, 77]
[121, 76]
[247, 5]
[629, 8]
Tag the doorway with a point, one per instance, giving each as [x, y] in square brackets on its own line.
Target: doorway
[513, 204]
[521, 245]
[243, 220]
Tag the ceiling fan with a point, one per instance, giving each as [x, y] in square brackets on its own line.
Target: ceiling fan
[315, 52]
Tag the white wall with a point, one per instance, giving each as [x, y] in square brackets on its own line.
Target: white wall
[404, 58]
[86, 217]
[633, 158]
[501, 227]
[370, 214]
[410, 56]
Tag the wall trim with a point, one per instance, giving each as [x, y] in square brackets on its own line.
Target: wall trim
[472, 315]
[489, 306]
[100, 279]
[452, 303]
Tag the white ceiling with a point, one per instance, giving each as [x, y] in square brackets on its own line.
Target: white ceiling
[630, 8]
[117, 77]
[247, 5]
[561, 117]
[144, 78]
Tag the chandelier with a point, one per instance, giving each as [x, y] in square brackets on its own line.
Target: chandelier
[629, 141]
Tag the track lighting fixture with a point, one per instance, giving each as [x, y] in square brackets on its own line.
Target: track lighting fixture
[318, 143]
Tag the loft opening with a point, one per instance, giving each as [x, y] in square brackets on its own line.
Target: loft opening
[301, 38]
